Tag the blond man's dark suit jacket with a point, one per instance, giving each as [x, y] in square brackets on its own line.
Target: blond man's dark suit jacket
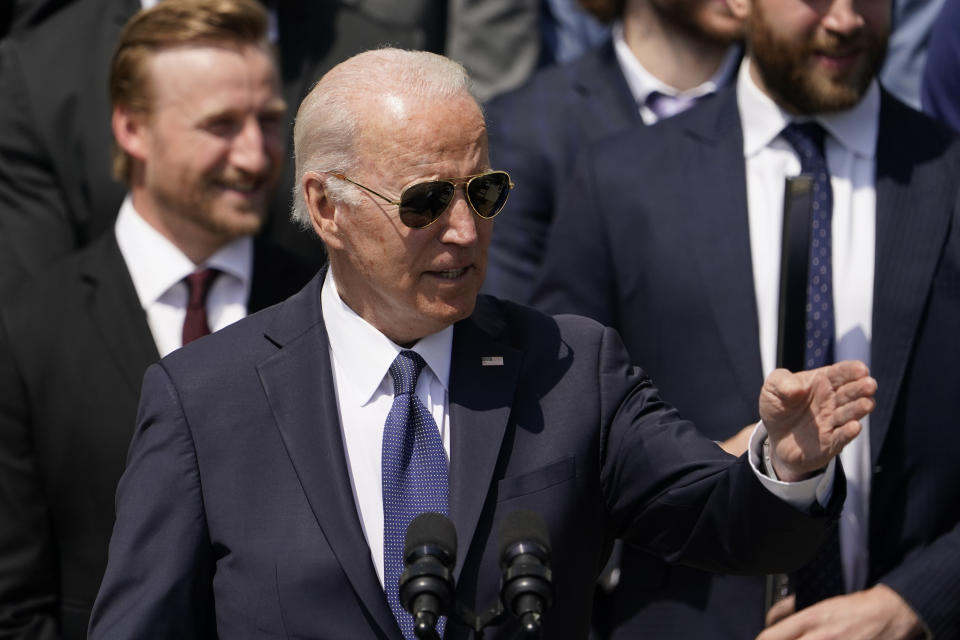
[235, 515]
[654, 241]
[74, 344]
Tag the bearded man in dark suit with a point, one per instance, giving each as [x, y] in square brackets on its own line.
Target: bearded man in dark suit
[686, 263]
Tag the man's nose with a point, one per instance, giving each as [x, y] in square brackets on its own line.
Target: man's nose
[249, 152]
[843, 17]
[459, 221]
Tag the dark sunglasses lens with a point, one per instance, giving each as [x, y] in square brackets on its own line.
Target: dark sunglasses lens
[423, 203]
[488, 193]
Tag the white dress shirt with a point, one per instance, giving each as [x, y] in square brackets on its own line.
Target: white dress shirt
[642, 83]
[361, 357]
[157, 268]
[850, 150]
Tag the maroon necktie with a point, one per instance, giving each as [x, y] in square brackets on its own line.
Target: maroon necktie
[198, 286]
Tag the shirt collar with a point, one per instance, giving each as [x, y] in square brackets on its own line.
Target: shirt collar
[156, 264]
[364, 355]
[642, 83]
[855, 129]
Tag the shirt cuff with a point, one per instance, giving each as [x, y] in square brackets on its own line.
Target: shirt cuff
[799, 495]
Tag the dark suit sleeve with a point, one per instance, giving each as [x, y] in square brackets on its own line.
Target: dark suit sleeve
[929, 580]
[28, 569]
[158, 582]
[577, 275]
[34, 225]
[676, 494]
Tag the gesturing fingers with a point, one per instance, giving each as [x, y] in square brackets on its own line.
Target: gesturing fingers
[845, 372]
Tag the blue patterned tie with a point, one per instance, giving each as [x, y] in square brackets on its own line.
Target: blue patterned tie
[414, 475]
[823, 577]
[807, 139]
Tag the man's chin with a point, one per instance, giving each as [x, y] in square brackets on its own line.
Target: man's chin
[236, 223]
[826, 95]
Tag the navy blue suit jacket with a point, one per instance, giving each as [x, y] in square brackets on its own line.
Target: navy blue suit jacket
[236, 514]
[535, 133]
[667, 262]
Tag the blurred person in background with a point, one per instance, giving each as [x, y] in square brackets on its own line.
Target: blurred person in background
[199, 122]
[664, 55]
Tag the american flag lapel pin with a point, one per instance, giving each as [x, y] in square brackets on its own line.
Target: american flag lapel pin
[491, 361]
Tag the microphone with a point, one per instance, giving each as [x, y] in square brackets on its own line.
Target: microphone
[426, 585]
[526, 590]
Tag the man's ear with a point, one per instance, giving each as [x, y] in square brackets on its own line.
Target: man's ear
[321, 207]
[130, 130]
[739, 8]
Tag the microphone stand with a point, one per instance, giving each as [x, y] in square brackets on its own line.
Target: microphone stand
[477, 623]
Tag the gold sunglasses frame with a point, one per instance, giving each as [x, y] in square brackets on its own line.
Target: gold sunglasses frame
[465, 181]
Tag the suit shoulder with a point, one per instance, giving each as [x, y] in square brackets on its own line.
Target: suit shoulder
[550, 88]
[909, 139]
[525, 326]
[251, 339]
[242, 341]
[53, 292]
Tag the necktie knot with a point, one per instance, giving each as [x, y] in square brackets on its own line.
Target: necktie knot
[664, 105]
[198, 286]
[807, 139]
[405, 370]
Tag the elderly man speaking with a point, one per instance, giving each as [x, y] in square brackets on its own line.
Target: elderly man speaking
[277, 464]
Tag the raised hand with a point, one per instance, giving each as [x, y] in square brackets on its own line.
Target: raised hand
[811, 415]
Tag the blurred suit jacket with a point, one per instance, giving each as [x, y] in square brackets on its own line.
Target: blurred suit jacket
[535, 133]
[74, 344]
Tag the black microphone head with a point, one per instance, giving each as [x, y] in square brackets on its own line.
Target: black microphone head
[433, 530]
[526, 528]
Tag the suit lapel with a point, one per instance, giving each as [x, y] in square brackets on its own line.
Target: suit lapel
[309, 424]
[115, 309]
[608, 105]
[481, 394]
[716, 220]
[915, 200]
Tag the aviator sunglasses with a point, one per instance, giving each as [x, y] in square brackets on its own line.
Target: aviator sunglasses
[422, 203]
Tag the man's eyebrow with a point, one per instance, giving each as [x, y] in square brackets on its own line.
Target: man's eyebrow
[277, 105]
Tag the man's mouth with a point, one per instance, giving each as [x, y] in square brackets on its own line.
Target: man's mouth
[450, 274]
[246, 187]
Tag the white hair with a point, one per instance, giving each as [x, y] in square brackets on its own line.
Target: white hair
[328, 121]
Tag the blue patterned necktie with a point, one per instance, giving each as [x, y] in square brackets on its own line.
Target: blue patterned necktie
[807, 139]
[823, 577]
[414, 475]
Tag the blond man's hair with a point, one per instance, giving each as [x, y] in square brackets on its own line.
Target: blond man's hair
[169, 24]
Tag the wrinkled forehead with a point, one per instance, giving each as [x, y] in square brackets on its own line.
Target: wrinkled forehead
[408, 131]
